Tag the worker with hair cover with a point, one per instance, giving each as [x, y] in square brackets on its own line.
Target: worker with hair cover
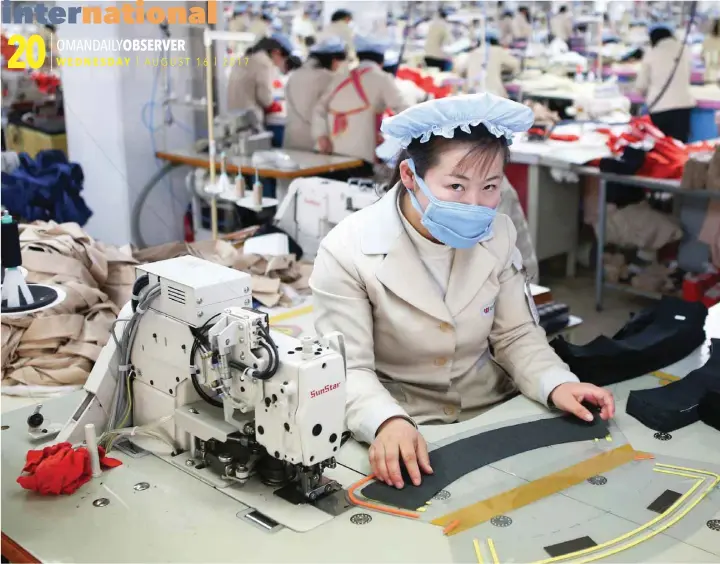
[486, 65]
[305, 87]
[664, 79]
[430, 291]
[346, 120]
[341, 23]
[250, 86]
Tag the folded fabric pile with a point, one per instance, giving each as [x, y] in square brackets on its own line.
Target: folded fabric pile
[653, 339]
[46, 188]
[59, 469]
[59, 346]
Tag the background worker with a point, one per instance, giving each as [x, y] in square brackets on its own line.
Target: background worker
[666, 86]
[305, 87]
[347, 118]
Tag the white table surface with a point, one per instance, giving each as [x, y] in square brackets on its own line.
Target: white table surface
[180, 519]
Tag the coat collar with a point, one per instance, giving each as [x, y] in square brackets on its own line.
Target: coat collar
[403, 272]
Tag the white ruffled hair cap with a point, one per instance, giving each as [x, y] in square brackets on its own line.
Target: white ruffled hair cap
[501, 117]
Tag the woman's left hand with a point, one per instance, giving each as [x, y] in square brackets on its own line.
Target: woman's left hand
[569, 397]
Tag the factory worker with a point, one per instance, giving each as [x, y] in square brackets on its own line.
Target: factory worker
[561, 24]
[711, 53]
[486, 64]
[305, 87]
[303, 27]
[669, 103]
[438, 36]
[340, 26]
[506, 28]
[250, 84]
[429, 289]
[260, 25]
[521, 25]
[346, 120]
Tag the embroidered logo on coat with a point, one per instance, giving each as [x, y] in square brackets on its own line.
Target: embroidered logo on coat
[489, 309]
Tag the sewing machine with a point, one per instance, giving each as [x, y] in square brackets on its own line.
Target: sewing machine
[238, 134]
[211, 390]
[313, 206]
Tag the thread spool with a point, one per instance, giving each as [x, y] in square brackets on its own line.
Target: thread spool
[240, 186]
[10, 256]
[92, 447]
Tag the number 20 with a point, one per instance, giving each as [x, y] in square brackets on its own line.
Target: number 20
[27, 47]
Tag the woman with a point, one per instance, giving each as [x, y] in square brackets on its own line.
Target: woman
[438, 36]
[305, 87]
[711, 53]
[430, 292]
[346, 120]
[486, 65]
[250, 86]
[521, 25]
[667, 95]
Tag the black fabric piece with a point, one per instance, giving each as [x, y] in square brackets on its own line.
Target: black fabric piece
[674, 123]
[676, 405]
[664, 501]
[709, 409]
[629, 163]
[434, 62]
[554, 317]
[568, 547]
[462, 457]
[653, 339]
[11, 256]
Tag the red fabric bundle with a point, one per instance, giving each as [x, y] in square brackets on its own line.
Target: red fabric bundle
[60, 469]
[274, 108]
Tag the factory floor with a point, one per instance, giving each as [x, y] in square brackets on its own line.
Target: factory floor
[578, 293]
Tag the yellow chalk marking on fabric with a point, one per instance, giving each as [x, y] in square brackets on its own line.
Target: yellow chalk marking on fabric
[291, 314]
[608, 439]
[428, 503]
[421, 509]
[493, 552]
[478, 554]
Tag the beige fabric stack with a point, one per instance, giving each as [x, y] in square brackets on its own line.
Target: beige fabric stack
[59, 346]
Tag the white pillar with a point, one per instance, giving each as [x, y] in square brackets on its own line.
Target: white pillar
[107, 137]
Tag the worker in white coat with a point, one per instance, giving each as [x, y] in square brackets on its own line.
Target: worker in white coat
[250, 86]
[561, 24]
[486, 64]
[341, 22]
[522, 25]
[506, 28]
[438, 36]
[346, 120]
[711, 53]
[429, 290]
[260, 25]
[666, 86]
[304, 88]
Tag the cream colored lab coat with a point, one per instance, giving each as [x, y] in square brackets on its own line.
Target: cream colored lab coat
[499, 60]
[342, 103]
[304, 88]
[260, 28]
[521, 28]
[409, 351]
[561, 26]
[506, 31]
[711, 56]
[437, 37]
[655, 70]
[250, 85]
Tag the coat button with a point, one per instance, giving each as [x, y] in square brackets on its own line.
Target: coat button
[441, 361]
[445, 327]
[449, 410]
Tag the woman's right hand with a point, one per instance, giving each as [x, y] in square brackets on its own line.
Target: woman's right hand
[398, 438]
[325, 145]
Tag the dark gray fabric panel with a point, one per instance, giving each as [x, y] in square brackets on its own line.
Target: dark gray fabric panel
[568, 547]
[462, 457]
[664, 501]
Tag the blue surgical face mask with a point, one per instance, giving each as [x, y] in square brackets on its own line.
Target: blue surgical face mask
[457, 225]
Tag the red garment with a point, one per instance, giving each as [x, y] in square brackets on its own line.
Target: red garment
[60, 469]
[274, 108]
